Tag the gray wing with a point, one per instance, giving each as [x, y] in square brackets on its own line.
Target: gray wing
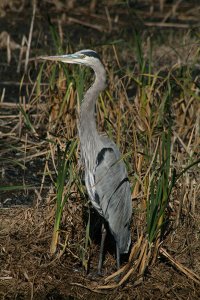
[113, 195]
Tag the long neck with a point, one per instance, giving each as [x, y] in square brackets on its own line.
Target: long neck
[87, 122]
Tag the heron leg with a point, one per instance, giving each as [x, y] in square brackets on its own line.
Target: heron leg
[118, 256]
[103, 237]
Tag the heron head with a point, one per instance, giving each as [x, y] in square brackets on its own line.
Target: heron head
[84, 57]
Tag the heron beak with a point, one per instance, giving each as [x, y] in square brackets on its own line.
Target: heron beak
[69, 58]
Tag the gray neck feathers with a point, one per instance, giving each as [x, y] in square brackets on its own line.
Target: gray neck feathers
[87, 123]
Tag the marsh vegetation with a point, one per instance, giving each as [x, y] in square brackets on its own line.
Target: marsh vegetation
[49, 236]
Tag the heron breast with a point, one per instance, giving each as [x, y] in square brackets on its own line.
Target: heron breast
[101, 154]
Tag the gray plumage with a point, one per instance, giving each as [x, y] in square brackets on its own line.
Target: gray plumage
[105, 173]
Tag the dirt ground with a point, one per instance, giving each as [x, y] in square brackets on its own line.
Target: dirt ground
[27, 270]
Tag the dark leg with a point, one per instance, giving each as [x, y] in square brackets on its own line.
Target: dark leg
[118, 257]
[103, 236]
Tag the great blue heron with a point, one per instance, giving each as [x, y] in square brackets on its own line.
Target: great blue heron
[105, 173]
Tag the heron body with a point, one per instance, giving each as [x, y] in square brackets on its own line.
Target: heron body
[105, 173]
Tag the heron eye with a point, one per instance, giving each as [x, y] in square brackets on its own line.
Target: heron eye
[82, 55]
